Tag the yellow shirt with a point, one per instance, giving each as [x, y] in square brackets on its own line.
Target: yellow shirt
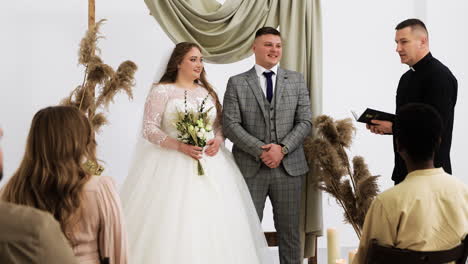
[428, 211]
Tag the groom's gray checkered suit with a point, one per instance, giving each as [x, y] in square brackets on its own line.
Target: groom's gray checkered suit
[250, 121]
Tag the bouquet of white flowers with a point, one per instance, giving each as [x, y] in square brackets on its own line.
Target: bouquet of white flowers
[193, 127]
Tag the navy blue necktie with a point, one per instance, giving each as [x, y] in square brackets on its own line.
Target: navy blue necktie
[269, 87]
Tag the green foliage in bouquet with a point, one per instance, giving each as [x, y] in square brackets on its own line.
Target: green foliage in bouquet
[353, 187]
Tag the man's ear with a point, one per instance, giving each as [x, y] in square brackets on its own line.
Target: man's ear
[424, 41]
[254, 44]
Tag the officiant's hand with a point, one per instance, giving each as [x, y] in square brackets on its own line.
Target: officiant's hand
[212, 146]
[272, 155]
[380, 127]
[190, 150]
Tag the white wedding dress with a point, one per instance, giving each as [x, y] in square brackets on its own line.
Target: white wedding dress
[175, 216]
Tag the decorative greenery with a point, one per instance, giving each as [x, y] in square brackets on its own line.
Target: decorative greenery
[101, 76]
[354, 188]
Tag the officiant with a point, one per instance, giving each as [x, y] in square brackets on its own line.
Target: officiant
[427, 81]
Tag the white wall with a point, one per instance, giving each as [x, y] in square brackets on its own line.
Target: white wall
[39, 44]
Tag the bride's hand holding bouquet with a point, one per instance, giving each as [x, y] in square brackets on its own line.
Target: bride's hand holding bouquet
[194, 128]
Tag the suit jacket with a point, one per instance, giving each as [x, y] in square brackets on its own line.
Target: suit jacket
[28, 235]
[245, 120]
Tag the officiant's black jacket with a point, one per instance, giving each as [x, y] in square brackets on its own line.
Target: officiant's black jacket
[429, 82]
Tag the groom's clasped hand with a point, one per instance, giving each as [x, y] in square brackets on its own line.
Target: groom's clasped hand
[272, 155]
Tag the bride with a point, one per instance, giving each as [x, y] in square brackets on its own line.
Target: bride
[173, 214]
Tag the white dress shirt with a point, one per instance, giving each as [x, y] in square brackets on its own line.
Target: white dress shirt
[262, 79]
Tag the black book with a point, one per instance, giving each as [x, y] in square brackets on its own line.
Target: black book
[372, 114]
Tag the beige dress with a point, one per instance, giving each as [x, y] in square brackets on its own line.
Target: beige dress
[100, 232]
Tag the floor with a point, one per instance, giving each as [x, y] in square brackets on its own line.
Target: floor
[322, 255]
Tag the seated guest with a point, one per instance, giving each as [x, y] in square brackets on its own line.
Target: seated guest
[28, 235]
[54, 176]
[428, 211]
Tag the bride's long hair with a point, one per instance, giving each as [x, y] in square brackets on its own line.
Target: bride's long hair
[170, 75]
[52, 175]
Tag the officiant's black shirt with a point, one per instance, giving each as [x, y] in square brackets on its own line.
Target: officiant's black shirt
[429, 82]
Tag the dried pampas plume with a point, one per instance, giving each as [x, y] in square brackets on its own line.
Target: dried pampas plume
[99, 77]
[353, 187]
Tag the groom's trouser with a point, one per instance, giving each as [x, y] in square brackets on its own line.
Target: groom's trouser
[285, 196]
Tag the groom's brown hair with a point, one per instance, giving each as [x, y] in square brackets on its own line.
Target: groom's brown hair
[267, 31]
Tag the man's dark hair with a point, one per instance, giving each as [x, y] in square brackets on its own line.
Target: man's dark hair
[418, 130]
[267, 31]
[413, 23]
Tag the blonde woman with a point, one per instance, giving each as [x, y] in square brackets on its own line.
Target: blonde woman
[52, 177]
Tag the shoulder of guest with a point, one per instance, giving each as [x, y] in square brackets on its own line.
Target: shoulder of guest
[395, 194]
[96, 182]
[23, 220]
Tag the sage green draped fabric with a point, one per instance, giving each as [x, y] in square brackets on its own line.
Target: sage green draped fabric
[226, 33]
[300, 26]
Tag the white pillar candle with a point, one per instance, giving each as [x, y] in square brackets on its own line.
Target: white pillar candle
[333, 245]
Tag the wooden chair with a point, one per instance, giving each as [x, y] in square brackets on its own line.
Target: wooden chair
[272, 240]
[378, 254]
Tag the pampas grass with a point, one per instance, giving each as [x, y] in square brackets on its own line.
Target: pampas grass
[352, 186]
[101, 82]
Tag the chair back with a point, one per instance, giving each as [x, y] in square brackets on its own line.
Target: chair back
[378, 254]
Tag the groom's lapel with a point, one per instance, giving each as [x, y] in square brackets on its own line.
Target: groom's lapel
[252, 79]
[280, 83]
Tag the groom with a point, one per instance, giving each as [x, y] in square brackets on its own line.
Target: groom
[267, 116]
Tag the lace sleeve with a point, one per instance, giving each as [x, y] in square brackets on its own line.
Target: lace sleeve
[152, 117]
